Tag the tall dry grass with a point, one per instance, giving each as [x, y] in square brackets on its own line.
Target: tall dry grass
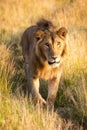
[16, 113]
[16, 15]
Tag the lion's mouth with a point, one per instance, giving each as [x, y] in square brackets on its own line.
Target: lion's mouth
[54, 63]
[51, 62]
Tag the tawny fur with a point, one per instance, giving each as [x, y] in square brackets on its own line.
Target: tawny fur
[44, 48]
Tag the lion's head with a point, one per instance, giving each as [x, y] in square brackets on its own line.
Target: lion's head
[51, 46]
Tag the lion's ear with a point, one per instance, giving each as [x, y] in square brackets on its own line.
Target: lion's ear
[39, 34]
[62, 32]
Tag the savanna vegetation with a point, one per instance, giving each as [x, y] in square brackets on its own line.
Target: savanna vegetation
[16, 112]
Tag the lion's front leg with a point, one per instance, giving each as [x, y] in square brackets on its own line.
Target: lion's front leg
[35, 92]
[52, 91]
[33, 86]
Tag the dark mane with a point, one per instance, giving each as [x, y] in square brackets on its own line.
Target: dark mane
[45, 24]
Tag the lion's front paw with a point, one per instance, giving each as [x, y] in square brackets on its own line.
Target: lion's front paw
[39, 99]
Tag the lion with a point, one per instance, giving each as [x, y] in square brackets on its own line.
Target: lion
[44, 48]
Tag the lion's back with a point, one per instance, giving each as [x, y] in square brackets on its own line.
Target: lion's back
[27, 40]
[28, 34]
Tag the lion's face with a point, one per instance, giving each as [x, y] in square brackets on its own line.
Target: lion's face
[51, 47]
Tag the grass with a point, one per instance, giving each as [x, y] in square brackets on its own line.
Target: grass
[16, 112]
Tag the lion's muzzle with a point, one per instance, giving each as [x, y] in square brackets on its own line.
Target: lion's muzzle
[54, 62]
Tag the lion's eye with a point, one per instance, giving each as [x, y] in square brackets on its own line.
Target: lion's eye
[38, 38]
[47, 45]
[59, 44]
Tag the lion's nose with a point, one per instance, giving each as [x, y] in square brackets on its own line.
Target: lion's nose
[54, 57]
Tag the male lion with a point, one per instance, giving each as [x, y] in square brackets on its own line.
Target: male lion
[44, 48]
